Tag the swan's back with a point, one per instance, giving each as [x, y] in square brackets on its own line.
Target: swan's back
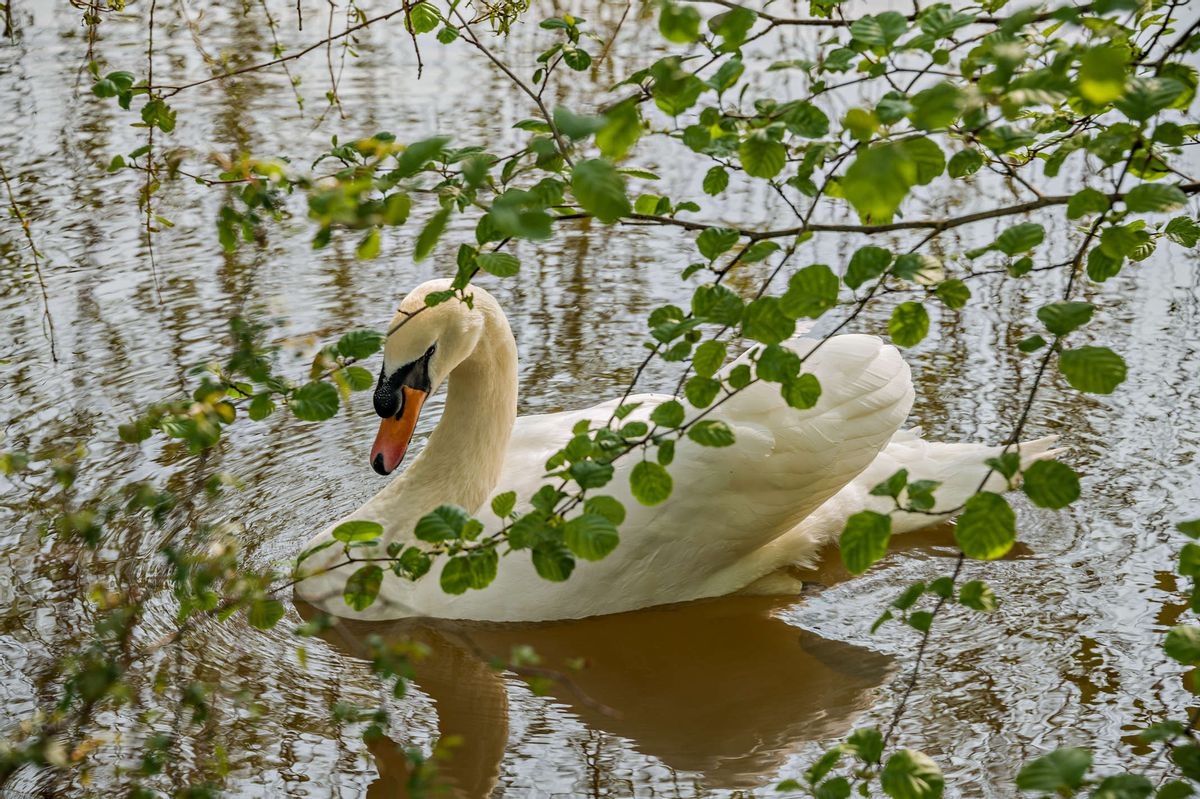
[727, 502]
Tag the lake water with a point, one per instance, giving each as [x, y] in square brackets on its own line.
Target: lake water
[718, 698]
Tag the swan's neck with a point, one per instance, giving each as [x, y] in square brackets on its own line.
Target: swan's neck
[462, 459]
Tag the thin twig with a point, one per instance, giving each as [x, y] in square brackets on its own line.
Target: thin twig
[171, 91]
[474, 41]
[15, 207]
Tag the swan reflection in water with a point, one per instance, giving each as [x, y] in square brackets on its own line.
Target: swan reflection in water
[722, 688]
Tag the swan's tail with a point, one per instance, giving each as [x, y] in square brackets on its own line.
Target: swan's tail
[959, 468]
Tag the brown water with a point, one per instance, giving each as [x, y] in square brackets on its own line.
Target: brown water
[700, 700]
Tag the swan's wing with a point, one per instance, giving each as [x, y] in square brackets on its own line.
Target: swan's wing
[787, 462]
[727, 502]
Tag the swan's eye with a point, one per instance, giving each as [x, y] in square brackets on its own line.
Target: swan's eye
[388, 400]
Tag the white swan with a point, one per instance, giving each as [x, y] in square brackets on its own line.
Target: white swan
[737, 516]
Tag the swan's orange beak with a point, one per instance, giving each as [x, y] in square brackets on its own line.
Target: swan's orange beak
[396, 431]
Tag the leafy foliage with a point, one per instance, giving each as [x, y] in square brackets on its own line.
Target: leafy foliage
[1098, 92]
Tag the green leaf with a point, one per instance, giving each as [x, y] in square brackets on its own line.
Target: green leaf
[476, 570]
[1155, 198]
[261, 406]
[714, 241]
[867, 263]
[1087, 201]
[740, 376]
[711, 433]
[600, 189]
[447, 35]
[701, 391]
[1062, 770]
[709, 357]
[910, 774]
[500, 264]
[1187, 757]
[417, 155]
[1101, 266]
[758, 251]
[668, 414]
[802, 118]
[576, 58]
[954, 293]
[1124, 786]
[762, 156]
[1183, 644]
[987, 528]
[1060, 318]
[977, 595]
[1031, 344]
[1146, 97]
[314, 402]
[1183, 230]
[864, 540]
[881, 177]
[880, 30]
[621, 130]
[157, 113]
[590, 474]
[1176, 789]
[920, 494]
[909, 324]
[362, 587]
[939, 107]
[733, 26]
[430, 234]
[623, 127]
[766, 322]
[265, 613]
[1050, 484]
[833, 788]
[359, 344]
[925, 158]
[866, 744]
[553, 562]
[892, 486]
[1120, 241]
[1097, 370]
[422, 18]
[577, 126]
[358, 378]
[964, 162]
[811, 292]
[368, 248]
[679, 24]
[590, 536]
[608, 507]
[504, 503]
[650, 483]
[717, 304]
[357, 530]
[716, 180]
[1020, 238]
[443, 523]
[1102, 73]
[802, 392]
[777, 364]
[817, 771]
[675, 89]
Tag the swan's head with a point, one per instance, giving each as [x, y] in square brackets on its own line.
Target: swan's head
[425, 345]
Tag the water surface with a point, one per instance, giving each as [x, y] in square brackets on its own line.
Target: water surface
[718, 698]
